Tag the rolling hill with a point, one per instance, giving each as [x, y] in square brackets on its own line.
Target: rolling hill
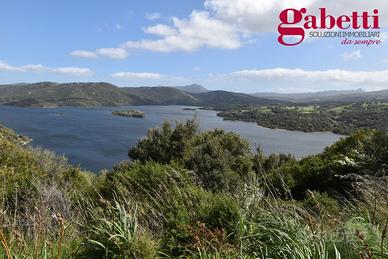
[223, 100]
[159, 96]
[193, 89]
[48, 94]
[346, 96]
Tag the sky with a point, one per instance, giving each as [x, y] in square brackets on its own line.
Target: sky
[220, 44]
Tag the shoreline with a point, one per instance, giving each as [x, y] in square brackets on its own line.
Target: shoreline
[280, 129]
[198, 108]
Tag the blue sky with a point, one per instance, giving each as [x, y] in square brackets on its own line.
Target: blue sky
[222, 44]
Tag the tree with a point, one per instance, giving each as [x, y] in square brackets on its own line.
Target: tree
[165, 144]
[219, 159]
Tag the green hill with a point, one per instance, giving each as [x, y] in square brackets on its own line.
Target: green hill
[223, 100]
[159, 96]
[328, 97]
[48, 94]
[194, 88]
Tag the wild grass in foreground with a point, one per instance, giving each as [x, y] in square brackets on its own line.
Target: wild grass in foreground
[188, 194]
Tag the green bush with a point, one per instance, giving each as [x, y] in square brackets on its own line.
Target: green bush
[165, 144]
[39, 198]
[220, 160]
[321, 204]
[221, 212]
[19, 170]
[170, 203]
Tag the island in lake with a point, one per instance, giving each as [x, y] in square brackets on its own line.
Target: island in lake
[129, 113]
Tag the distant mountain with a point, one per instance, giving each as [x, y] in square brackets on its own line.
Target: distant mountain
[223, 100]
[323, 96]
[48, 94]
[194, 88]
[159, 96]
[361, 97]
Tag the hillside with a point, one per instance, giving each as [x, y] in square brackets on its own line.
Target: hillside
[48, 94]
[342, 119]
[330, 97]
[10, 135]
[159, 96]
[194, 88]
[223, 100]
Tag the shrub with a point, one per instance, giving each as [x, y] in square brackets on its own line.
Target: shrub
[221, 212]
[37, 206]
[321, 204]
[165, 195]
[165, 144]
[220, 160]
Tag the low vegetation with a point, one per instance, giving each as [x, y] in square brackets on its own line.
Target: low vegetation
[340, 118]
[10, 135]
[192, 194]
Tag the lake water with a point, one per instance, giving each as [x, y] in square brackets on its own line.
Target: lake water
[95, 139]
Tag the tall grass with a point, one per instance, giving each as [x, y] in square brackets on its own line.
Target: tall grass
[50, 209]
[115, 232]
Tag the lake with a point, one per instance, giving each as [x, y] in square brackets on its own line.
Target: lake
[96, 139]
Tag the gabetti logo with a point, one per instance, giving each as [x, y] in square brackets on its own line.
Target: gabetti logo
[295, 23]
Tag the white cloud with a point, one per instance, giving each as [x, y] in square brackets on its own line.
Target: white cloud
[114, 53]
[161, 30]
[153, 16]
[131, 75]
[252, 16]
[4, 67]
[76, 71]
[229, 24]
[276, 79]
[351, 56]
[385, 61]
[199, 30]
[83, 54]
[149, 78]
[335, 75]
[290, 80]
[37, 68]
[260, 15]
